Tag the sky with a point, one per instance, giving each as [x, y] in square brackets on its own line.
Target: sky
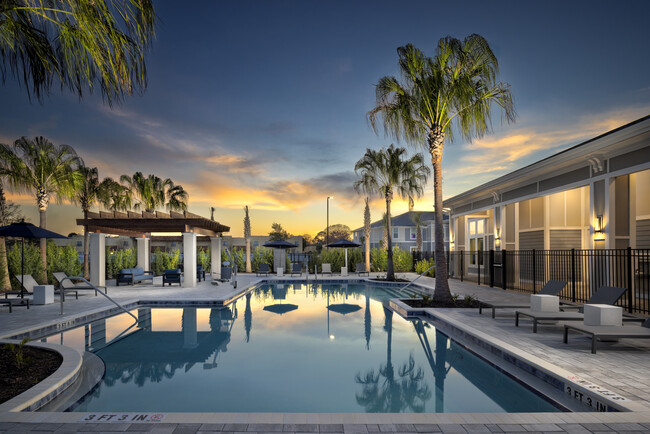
[263, 103]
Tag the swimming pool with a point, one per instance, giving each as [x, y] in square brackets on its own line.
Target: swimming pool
[290, 348]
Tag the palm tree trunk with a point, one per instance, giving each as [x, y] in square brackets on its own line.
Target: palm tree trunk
[43, 245]
[249, 269]
[367, 253]
[390, 273]
[5, 284]
[86, 248]
[436, 145]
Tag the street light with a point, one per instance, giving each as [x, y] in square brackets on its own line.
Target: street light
[327, 240]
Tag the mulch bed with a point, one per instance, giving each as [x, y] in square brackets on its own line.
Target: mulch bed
[459, 303]
[14, 381]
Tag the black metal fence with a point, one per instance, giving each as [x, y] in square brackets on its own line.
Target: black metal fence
[584, 271]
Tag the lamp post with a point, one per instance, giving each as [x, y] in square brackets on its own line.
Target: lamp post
[327, 229]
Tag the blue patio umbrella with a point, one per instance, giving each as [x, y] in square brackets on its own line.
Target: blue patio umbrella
[24, 230]
[344, 308]
[344, 244]
[280, 244]
[280, 308]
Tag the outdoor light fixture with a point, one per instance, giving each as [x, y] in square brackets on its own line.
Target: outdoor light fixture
[497, 242]
[327, 229]
[599, 229]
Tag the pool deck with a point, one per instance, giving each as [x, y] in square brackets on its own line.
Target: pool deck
[623, 368]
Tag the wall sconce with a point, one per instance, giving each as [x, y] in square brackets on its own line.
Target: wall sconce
[497, 242]
[599, 229]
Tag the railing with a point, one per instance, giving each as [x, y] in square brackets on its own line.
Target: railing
[97, 290]
[584, 271]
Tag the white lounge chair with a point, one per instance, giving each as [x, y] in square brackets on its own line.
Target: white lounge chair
[326, 269]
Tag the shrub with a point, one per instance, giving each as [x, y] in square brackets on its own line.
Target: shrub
[118, 259]
[32, 262]
[378, 259]
[62, 258]
[423, 265]
[261, 255]
[204, 259]
[402, 260]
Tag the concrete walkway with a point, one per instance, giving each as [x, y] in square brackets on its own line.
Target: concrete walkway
[622, 367]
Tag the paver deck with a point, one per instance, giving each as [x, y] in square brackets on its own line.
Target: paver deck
[621, 367]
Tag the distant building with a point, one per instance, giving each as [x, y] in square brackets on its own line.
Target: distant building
[404, 232]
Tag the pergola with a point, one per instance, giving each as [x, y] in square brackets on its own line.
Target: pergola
[140, 225]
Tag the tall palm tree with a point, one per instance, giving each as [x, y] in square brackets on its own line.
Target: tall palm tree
[247, 237]
[88, 192]
[152, 192]
[43, 168]
[384, 171]
[456, 89]
[114, 196]
[77, 44]
[366, 232]
[9, 213]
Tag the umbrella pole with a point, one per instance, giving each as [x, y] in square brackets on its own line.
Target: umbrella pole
[22, 269]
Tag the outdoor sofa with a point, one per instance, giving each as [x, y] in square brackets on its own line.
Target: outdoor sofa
[605, 295]
[133, 276]
[552, 287]
[609, 332]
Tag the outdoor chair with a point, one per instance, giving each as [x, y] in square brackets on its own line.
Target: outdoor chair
[326, 269]
[11, 302]
[605, 295]
[609, 332]
[69, 285]
[200, 272]
[552, 287]
[28, 283]
[296, 268]
[171, 276]
[264, 269]
[361, 269]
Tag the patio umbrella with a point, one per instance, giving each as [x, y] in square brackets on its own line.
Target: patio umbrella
[280, 308]
[24, 230]
[344, 244]
[282, 245]
[344, 308]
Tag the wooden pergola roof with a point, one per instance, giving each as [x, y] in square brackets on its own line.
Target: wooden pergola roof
[136, 224]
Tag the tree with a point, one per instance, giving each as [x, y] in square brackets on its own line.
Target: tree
[40, 167]
[416, 218]
[366, 232]
[384, 234]
[247, 237]
[151, 192]
[337, 232]
[307, 240]
[78, 44]
[456, 89]
[88, 191]
[9, 213]
[278, 233]
[382, 172]
[114, 196]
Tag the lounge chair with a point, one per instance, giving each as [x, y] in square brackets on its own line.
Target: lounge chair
[605, 295]
[552, 287]
[11, 302]
[361, 269]
[296, 268]
[29, 283]
[171, 276]
[609, 332]
[264, 269]
[68, 284]
[326, 269]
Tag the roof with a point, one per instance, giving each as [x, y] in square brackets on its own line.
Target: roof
[405, 219]
[137, 224]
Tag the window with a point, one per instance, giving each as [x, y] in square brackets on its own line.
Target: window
[407, 234]
[79, 243]
[256, 243]
[395, 233]
[476, 240]
[414, 234]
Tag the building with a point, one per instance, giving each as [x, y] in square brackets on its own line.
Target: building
[404, 231]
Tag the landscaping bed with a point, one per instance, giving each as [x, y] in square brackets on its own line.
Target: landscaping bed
[40, 364]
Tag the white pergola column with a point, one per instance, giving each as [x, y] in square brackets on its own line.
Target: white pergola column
[189, 259]
[97, 259]
[215, 257]
[144, 253]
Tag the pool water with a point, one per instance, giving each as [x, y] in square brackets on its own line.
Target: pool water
[290, 348]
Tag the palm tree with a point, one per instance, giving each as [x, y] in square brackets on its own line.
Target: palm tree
[247, 236]
[152, 192]
[9, 213]
[457, 88]
[88, 192]
[366, 232]
[77, 44]
[40, 167]
[114, 196]
[384, 171]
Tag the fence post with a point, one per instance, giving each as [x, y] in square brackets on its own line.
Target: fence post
[479, 259]
[534, 274]
[491, 261]
[462, 263]
[573, 275]
[503, 268]
[630, 297]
